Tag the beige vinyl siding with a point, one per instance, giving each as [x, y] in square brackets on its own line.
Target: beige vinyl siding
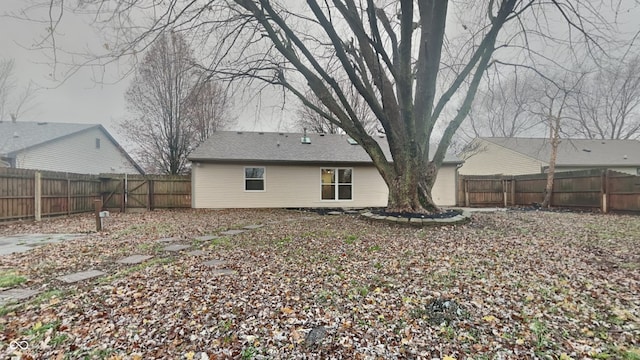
[77, 153]
[222, 186]
[490, 159]
[444, 189]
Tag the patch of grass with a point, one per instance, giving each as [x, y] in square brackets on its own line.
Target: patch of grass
[91, 354]
[614, 352]
[11, 279]
[221, 242]
[316, 234]
[38, 330]
[226, 325]
[59, 340]
[374, 248]
[138, 267]
[150, 247]
[324, 297]
[248, 353]
[133, 229]
[7, 309]
[359, 291]
[448, 332]
[541, 340]
[47, 296]
[351, 239]
[284, 241]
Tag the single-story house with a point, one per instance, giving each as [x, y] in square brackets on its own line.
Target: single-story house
[65, 147]
[517, 156]
[287, 170]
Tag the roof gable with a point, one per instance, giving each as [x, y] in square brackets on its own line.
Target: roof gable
[576, 152]
[23, 135]
[228, 146]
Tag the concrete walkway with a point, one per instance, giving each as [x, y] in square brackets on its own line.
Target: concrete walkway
[25, 242]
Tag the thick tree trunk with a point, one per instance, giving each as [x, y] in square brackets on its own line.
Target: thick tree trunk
[410, 188]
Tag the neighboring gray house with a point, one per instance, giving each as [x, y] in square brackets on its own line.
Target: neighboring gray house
[517, 156]
[282, 170]
[77, 148]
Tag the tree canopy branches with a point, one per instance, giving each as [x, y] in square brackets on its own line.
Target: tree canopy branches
[412, 67]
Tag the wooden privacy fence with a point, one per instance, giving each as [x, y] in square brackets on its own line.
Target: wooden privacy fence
[594, 189]
[33, 194]
[146, 191]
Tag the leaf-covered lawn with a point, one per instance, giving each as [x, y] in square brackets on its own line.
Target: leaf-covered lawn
[507, 285]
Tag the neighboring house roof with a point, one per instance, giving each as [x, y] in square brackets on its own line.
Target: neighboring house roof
[20, 135]
[238, 146]
[576, 152]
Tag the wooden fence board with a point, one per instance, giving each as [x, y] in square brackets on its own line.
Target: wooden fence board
[596, 189]
[67, 193]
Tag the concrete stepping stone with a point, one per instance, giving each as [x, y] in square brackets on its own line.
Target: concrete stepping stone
[17, 294]
[134, 259]
[79, 276]
[176, 247]
[223, 272]
[10, 249]
[213, 263]
[196, 253]
[206, 237]
[168, 240]
[232, 232]
[252, 227]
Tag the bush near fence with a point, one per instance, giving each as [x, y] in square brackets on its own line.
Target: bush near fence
[32, 194]
[596, 189]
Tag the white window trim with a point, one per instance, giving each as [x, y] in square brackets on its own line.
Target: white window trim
[264, 178]
[337, 183]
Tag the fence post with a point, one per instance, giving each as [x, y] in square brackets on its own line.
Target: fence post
[98, 206]
[68, 195]
[37, 196]
[466, 192]
[123, 205]
[604, 190]
[513, 191]
[151, 195]
[504, 193]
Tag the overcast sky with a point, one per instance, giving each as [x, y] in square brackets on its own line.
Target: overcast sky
[80, 99]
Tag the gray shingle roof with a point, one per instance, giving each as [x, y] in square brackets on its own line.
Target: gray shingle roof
[232, 146]
[16, 136]
[576, 152]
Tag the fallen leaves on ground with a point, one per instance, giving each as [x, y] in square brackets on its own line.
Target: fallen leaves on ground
[506, 285]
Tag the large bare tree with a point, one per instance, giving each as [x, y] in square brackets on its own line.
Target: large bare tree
[173, 107]
[209, 109]
[391, 52]
[608, 103]
[503, 108]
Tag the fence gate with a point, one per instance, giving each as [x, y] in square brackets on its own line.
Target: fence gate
[146, 192]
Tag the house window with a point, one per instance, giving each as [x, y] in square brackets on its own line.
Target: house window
[254, 179]
[97, 143]
[638, 171]
[337, 184]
